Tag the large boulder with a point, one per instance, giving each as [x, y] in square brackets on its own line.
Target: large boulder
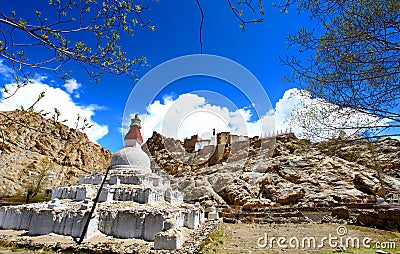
[290, 196]
[341, 212]
[289, 174]
[382, 218]
[366, 183]
[284, 193]
[236, 193]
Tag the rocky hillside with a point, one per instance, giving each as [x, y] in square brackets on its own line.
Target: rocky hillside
[30, 144]
[284, 171]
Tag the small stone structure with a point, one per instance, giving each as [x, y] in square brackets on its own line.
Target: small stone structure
[190, 143]
[212, 213]
[133, 203]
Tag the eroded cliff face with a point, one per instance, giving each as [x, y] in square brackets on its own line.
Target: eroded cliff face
[290, 172]
[29, 143]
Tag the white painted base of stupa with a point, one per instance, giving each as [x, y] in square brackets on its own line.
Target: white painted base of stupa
[117, 219]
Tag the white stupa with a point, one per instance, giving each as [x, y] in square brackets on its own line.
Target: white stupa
[132, 155]
[134, 203]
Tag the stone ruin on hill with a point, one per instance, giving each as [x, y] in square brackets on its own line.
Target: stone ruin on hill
[134, 203]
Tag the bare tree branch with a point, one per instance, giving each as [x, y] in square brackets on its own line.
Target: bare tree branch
[201, 26]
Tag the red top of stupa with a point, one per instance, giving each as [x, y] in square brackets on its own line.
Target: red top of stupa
[134, 131]
[134, 134]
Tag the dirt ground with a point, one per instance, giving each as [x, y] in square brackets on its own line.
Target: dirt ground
[293, 238]
[298, 238]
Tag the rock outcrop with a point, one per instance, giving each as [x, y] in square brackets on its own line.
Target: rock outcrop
[286, 171]
[29, 142]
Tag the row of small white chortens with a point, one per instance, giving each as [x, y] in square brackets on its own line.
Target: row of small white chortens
[276, 133]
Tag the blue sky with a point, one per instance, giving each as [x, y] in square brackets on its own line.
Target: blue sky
[177, 34]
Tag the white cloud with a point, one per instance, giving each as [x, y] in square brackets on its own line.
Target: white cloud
[316, 119]
[71, 85]
[284, 109]
[54, 98]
